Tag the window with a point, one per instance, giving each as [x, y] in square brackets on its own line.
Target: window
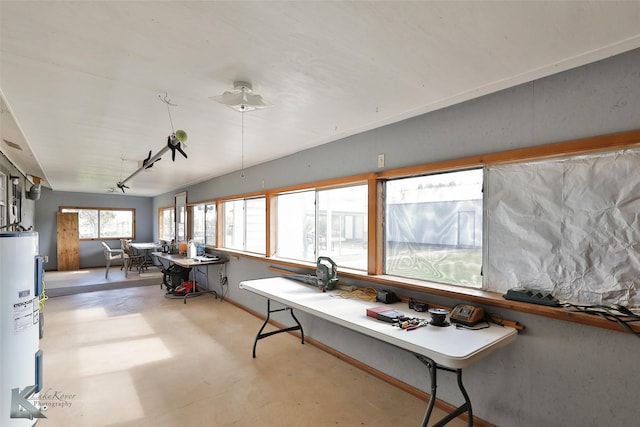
[204, 224]
[166, 224]
[331, 223]
[433, 227]
[96, 223]
[245, 224]
[180, 201]
[296, 225]
[3, 199]
[574, 231]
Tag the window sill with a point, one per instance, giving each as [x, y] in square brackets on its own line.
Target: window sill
[490, 299]
[474, 296]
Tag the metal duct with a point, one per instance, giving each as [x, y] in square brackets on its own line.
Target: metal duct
[34, 192]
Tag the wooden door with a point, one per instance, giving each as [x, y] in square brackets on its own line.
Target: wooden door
[68, 242]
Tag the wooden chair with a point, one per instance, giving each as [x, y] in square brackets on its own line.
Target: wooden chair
[114, 256]
[136, 260]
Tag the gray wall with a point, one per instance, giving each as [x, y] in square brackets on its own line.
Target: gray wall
[91, 254]
[556, 373]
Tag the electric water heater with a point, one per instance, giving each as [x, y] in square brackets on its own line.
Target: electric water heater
[21, 273]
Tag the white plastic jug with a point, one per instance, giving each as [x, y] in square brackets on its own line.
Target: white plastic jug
[192, 251]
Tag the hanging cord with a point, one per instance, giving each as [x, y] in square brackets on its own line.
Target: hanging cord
[224, 284]
[619, 314]
[481, 325]
[43, 297]
[121, 166]
[170, 119]
[242, 145]
[167, 101]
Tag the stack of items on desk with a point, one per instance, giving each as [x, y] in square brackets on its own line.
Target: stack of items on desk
[396, 317]
[385, 314]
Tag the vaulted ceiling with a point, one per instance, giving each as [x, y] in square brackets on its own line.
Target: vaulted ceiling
[84, 83]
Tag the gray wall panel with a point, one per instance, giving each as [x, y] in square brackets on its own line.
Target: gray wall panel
[556, 373]
[91, 254]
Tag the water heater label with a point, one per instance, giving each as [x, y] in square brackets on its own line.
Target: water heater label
[26, 314]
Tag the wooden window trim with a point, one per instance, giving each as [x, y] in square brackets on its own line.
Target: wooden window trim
[595, 144]
[89, 208]
[601, 143]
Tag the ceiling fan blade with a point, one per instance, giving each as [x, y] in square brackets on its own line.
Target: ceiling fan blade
[255, 100]
[228, 98]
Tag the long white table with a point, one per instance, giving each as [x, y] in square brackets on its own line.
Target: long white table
[444, 348]
[194, 264]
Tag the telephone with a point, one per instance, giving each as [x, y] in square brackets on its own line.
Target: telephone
[468, 315]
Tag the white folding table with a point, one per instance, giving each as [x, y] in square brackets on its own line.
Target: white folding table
[147, 248]
[445, 348]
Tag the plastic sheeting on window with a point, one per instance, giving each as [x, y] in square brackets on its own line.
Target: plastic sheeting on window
[437, 241]
[567, 226]
[433, 227]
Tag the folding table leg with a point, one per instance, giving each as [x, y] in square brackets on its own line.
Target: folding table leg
[260, 335]
[465, 407]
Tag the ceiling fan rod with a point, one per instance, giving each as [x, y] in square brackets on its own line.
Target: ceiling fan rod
[174, 142]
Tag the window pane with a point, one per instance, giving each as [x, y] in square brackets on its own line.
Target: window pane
[181, 223]
[116, 224]
[87, 223]
[198, 223]
[245, 224]
[342, 226]
[210, 225]
[204, 224]
[256, 228]
[296, 225]
[3, 199]
[234, 224]
[167, 224]
[433, 227]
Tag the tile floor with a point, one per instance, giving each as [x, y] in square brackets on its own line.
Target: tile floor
[130, 357]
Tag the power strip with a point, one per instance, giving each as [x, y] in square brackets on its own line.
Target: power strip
[531, 296]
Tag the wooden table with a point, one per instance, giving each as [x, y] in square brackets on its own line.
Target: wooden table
[439, 348]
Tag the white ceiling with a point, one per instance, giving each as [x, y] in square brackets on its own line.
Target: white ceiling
[80, 80]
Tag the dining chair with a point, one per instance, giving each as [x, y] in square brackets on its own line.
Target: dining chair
[136, 260]
[115, 256]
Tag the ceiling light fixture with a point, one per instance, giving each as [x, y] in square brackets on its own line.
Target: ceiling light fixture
[241, 99]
